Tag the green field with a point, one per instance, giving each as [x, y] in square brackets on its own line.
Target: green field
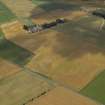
[5, 14]
[96, 89]
[14, 53]
[22, 87]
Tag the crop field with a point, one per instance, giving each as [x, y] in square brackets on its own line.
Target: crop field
[96, 88]
[52, 10]
[5, 14]
[51, 6]
[21, 8]
[14, 53]
[53, 15]
[60, 65]
[7, 69]
[63, 96]
[15, 33]
[31, 42]
[36, 8]
[78, 50]
[11, 29]
[92, 23]
[21, 88]
[49, 55]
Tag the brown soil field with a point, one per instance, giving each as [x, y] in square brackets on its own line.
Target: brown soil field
[21, 8]
[7, 69]
[62, 96]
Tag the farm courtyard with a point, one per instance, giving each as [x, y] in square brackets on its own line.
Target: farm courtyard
[52, 52]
